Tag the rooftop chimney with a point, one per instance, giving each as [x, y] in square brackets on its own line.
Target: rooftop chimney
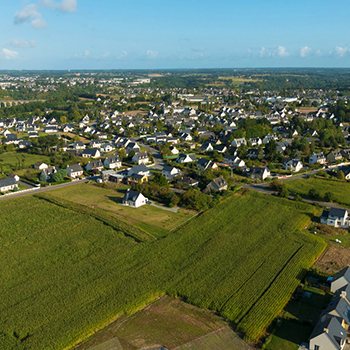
[325, 330]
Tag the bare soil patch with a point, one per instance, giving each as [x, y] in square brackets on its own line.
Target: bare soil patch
[334, 259]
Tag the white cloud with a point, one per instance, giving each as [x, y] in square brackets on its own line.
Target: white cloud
[304, 51]
[87, 54]
[282, 52]
[9, 55]
[262, 52]
[123, 55]
[31, 13]
[152, 54]
[22, 43]
[106, 54]
[341, 51]
[319, 52]
[64, 5]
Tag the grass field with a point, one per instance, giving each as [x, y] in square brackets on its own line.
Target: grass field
[10, 160]
[340, 189]
[110, 199]
[69, 270]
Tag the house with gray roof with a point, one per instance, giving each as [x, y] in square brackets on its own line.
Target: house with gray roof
[169, 172]
[336, 217]
[219, 184]
[341, 280]
[134, 199]
[328, 334]
[74, 170]
[139, 169]
[95, 165]
[8, 184]
[112, 162]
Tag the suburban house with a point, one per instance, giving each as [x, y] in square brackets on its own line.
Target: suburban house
[112, 162]
[346, 153]
[140, 158]
[328, 334]
[220, 148]
[24, 144]
[106, 174]
[341, 279]
[206, 164]
[186, 158]
[253, 153]
[317, 158]
[334, 156]
[137, 178]
[96, 143]
[336, 217]
[91, 153]
[134, 199]
[239, 142]
[169, 172]
[255, 141]
[260, 173]
[48, 172]
[107, 147]
[140, 170]
[78, 145]
[294, 165]
[95, 165]
[219, 184]
[207, 147]
[74, 170]
[187, 181]
[8, 184]
[174, 150]
[40, 166]
[233, 161]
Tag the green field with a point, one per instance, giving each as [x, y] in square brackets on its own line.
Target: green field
[110, 199]
[340, 189]
[68, 270]
[10, 160]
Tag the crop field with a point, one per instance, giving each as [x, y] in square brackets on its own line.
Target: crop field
[340, 189]
[11, 160]
[69, 270]
[110, 199]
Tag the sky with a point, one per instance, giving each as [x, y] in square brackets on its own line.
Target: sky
[164, 34]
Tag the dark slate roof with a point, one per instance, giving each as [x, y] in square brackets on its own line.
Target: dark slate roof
[220, 182]
[203, 162]
[7, 182]
[337, 212]
[114, 159]
[139, 168]
[345, 272]
[335, 330]
[75, 168]
[90, 151]
[168, 168]
[131, 196]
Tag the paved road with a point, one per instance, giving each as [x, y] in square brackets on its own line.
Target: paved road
[158, 160]
[43, 189]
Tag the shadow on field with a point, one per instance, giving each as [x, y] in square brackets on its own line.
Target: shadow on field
[115, 199]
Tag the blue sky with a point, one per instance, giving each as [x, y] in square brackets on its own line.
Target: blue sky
[161, 34]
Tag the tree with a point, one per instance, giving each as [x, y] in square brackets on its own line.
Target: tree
[284, 193]
[42, 177]
[160, 180]
[131, 153]
[59, 175]
[122, 154]
[271, 148]
[329, 197]
[76, 138]
[63, 119]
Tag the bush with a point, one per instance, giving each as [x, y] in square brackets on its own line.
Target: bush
[171, 205]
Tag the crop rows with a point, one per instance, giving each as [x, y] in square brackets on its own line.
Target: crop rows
[68, 269]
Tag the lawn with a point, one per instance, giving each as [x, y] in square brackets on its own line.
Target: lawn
[11, 160]
[110, 199]
[69, 270]
[340, 189]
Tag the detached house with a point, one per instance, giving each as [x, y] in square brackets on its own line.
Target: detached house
[95, 165]
[239, 142]
[112, 162]
[217, 185]
[169, 172]
[206, 164]
[91, 153]
[336, 217]
[341, 279]
[260, 173]
[8, 184]
[134, 199]
[185, 158]
[140, 158]
[294, 165]
[317, 158]
[139, 169]
[334, 156]
[74, 170]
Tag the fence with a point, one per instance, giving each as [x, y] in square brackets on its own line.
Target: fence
[27, 190]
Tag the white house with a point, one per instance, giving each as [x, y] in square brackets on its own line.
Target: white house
[294, 165]
[112, 162]
[186, 158]
[317, 158]
[134, 199]
[174, 150]
[239, 142]
[94, 165]
[169, 172]
[8, 184]
[40, 166]
[336, 217]
[74, 170]
[140, 158]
